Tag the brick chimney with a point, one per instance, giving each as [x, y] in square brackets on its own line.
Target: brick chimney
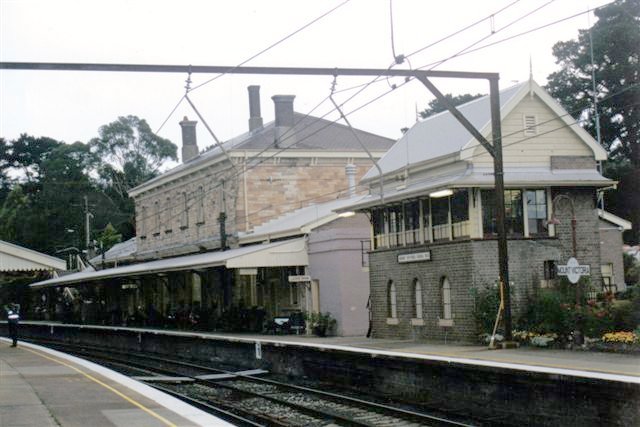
[255, 119]
[284, 119]
[189, 142]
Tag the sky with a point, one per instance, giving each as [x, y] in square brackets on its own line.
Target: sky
[71, 106]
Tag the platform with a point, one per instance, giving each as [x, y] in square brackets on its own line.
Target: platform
[572, 363]
[41, 387]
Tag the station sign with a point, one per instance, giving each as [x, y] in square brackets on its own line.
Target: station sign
[415, 257]
[248, 271]
[573, 270]
[298, 279]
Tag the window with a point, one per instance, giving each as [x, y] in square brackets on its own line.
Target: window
[412, 222]
[184, 212]
[446, 299]
[514, 222]
[426, 219]
[530, 125]
[460, 213]
[537, 212]
[395, 225]
[417, 292]
[200, 206]
[392, 310]
[550, 271]
[608, 284]
[377, 222]
[440, 218]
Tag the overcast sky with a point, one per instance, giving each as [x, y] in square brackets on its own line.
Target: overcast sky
[71, 106]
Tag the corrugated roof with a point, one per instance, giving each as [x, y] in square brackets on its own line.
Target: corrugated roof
[119, 251]
[286, 253]
[19, 258]
[479, 177]
[440, 134]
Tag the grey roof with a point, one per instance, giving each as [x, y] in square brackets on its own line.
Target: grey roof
[118, 252]
[308, 134]
[484, 178]
[295, 222]
[204, 260]
[440, 134]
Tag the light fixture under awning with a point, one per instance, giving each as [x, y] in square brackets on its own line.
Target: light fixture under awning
[279, 254]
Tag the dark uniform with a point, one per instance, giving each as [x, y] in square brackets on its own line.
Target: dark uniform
[13, 319]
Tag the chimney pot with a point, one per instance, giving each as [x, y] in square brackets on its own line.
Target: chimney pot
[189, 141]
[284, 119]
[255, 119]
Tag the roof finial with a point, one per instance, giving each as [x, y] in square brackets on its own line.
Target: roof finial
[530, 77]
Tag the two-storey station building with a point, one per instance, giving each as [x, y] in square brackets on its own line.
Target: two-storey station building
[434, 222]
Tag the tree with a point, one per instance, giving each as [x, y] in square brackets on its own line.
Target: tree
[108, 238]
[131, 153]
[436, 106]
[616, 63]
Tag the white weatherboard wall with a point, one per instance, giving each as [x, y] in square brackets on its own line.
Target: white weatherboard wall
[335, 261]
[553, 138]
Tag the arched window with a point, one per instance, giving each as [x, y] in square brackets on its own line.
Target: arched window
[446, 299]
[417, 302]
[392, 310]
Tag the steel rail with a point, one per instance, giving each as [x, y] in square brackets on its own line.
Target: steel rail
[338, 398]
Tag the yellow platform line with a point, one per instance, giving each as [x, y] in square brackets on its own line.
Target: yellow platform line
[107, 386]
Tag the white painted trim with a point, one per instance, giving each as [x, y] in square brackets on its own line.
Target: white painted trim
[446, 323]
[608, 216]
[393, 321]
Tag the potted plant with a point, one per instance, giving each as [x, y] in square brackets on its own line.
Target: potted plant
[321, 323]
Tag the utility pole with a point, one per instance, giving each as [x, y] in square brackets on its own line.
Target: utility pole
[87, 227]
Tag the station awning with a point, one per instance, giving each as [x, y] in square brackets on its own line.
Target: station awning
[278, 254]
[18, 258]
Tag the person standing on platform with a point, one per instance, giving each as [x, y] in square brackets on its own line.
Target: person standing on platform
[13, 317]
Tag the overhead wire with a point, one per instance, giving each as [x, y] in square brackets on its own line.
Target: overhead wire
[313, 21]
[576, 122]
[262, 160]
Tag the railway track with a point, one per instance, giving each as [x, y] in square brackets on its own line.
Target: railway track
[254, 397]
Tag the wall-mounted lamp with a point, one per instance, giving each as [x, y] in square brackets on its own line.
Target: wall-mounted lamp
[346, 214]
[441, 193]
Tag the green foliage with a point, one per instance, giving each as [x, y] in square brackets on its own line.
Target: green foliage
[435, 106]
[131, 152]
[108, 238]
[548, 312]
[631, 270]
[616, 54]
[486, 304]
[10, 224]
[321, 323]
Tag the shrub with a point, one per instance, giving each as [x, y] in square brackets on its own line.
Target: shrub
[547, 312]
[486, 304]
